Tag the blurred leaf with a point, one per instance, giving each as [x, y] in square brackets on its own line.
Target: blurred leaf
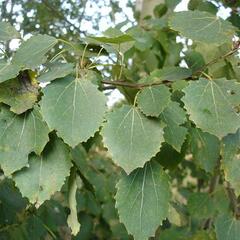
[33, 52]
[205, 149]
[8, 71]
[8, 32]
[202, 27]
[230, 160]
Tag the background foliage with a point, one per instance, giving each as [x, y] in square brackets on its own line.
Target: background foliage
[160, 164]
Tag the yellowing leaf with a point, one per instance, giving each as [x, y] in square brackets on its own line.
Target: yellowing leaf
[19, 93]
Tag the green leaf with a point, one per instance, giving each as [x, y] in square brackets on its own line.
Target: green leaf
[32, 53]
[142, 200]
[175, 135]
[72, 219]
[175, 233]
[167, 73]
[12, 203]
[204, 235]
[8, 71]
[227, 228]
[202, 5]
[143, 40]
[211, 103]
[205, 149]
[114, 36]
[131, 138]
[8, 32]
[174, 116]
[153, 100]
[173, 73]
[19, 136]
[194, 60]
[230, 160]
[200, 206]
[202, 26]
[20, 93]
[168, 157]
[56, 70]
[73, 107]
[45, 174]
[113, 40]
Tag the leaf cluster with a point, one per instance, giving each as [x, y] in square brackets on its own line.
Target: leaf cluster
[162, 164]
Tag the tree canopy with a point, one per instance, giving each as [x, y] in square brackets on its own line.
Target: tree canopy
[162, 162]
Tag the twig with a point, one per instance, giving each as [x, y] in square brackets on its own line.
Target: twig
[108, 88]
[233, 200]
[215, 60]
[134, 85]
[215, 178]
[142, 85]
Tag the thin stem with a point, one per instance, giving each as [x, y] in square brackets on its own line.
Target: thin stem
[57, 55]
[101, 65]
[108, 88]
[215, 60]
[91, 64]
[67, 43]
[83, 55]
[121, 64]
[142, 85]
[77, 70]
[135, 99]
[134, 85]
[206, 75]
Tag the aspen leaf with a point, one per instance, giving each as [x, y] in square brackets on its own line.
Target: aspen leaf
[142, 200]
[73, 107]
[131, 138]
[211, 105]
